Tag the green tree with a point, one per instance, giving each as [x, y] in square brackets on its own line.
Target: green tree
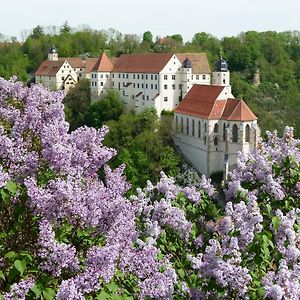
[109, 107]
[148, 37]
[77, 102]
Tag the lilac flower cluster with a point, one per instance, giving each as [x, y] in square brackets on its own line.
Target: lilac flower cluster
[287, 238]
[283, 284]
[34, 141]
[19, 290]
[258, 167]
[55, 256]
[222, 262]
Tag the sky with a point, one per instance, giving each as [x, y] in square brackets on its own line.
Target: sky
[161, 17]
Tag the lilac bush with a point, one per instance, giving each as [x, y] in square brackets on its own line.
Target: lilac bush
[69, 230]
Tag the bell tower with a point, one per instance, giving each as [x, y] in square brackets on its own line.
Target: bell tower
[221, 74]
[52, 54]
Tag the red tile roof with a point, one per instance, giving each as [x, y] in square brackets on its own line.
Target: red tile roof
[49, 68]
[142, 63]
[201, 101]
[103, 64]
[199, 62]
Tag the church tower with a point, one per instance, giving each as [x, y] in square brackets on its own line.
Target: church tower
[186, 76]
[221, 74]
[52, 54]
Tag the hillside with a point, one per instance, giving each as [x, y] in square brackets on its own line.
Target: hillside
[275, 56]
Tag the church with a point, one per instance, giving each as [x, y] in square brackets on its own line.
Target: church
[210, 126]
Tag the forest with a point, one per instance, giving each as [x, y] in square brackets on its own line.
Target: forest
[275, 55]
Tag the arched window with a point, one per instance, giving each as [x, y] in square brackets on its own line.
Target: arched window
[187, 126]
[181, 125]
[235, 132]
[247, 133]
[216, 128]
[176, 123]
[193, 127]
[224, 132]
[199, 129]
[216, 141]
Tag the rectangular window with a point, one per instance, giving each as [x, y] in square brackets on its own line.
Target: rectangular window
[142, 85]
[123, 75]
[133, 76]
[113, 75]
[101, 76]
[155, 77]
[165, 99]
[180, 86]
[146, 76]
[134, 85]
[146, 85]
[113, 83]
[106, 75]
[119, 75]
[197, 77]
[101, 83]
[203, 77]
[165, 86]
[138, 76]
[173, 86]
[151, 77]
[173, 77]
[142, 76]
[138, 85]
[151, 86]
[127, 76]
[147, 97]
[156, 86]
[165, 77]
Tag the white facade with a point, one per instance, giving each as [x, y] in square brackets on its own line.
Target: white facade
[204, 143]
[163, 90]
[100, 83]
[63, 78]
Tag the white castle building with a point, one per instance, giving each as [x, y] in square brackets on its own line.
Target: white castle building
[62, 73]
[211, 126]
[159, 80]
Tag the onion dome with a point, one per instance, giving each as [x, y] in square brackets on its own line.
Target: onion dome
[221, 65]
[52, 49]
[187, 64]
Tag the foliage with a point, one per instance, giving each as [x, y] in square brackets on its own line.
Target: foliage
[109, 107]
[77, 102]
[274, 54]
[68, 234]
[144, 145]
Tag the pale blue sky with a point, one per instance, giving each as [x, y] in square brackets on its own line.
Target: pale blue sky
[161, 17]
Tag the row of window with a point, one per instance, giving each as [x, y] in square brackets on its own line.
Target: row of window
[94, 83]
[136, 76]
[94, 75]
[216, 130]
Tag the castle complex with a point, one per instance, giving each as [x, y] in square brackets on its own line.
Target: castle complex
[210, 125]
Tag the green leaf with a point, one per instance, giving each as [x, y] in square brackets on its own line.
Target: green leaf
[112, 286]
[181, 273]
[275, 223]
[11, 255]
[20, 265]
[36, 290]
[102, 296]
[11, 187]
[261, 292]
[49, 293]
[2, 275]
[5, 197]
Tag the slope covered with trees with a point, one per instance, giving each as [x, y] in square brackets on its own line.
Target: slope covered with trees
[276, 101]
